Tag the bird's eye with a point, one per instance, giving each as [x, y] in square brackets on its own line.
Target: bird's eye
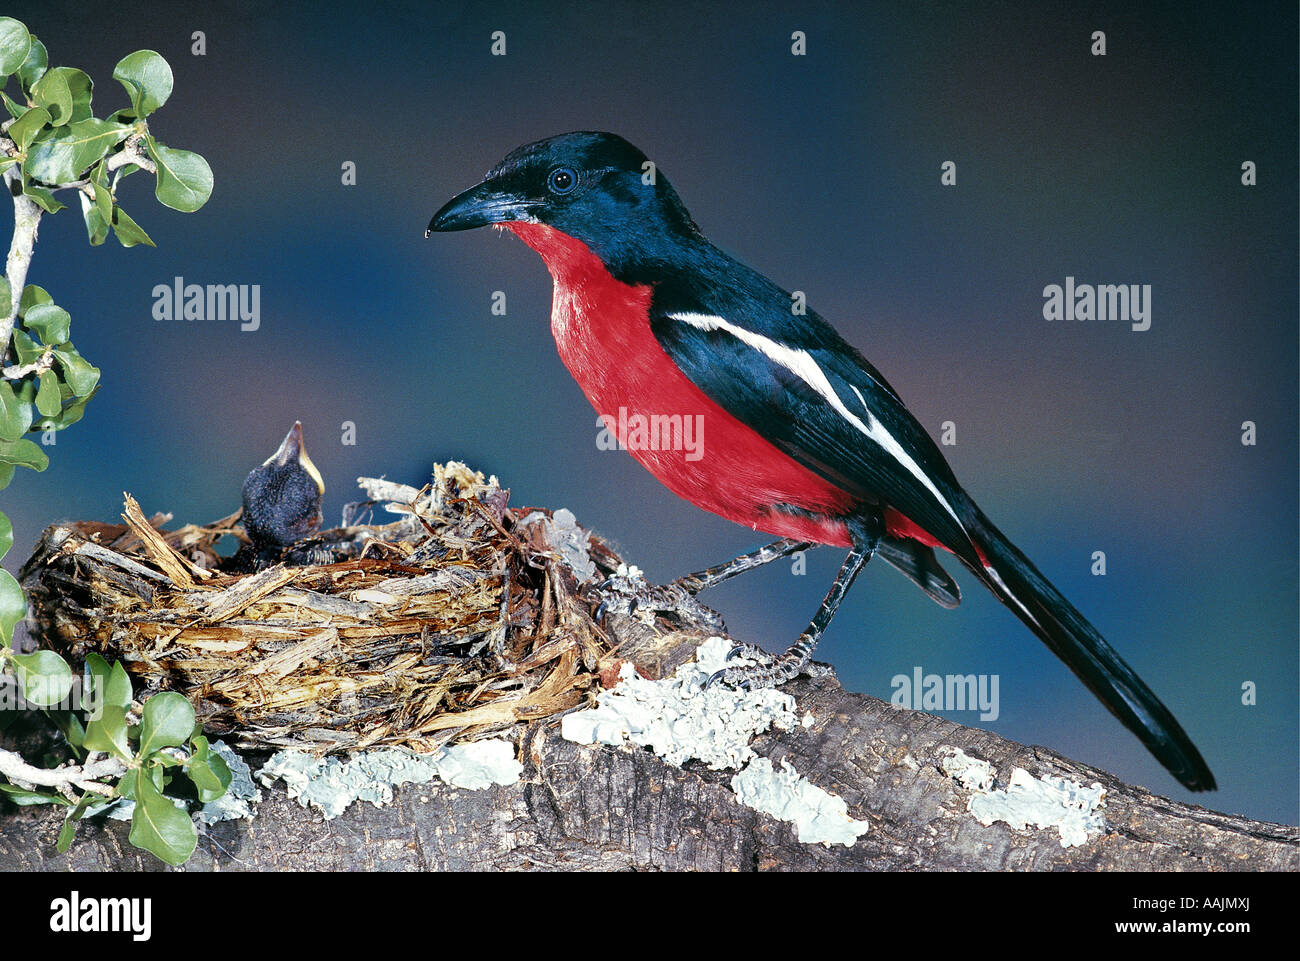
[562, 180]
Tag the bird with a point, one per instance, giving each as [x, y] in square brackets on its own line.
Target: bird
[282, 503]
[803, 438]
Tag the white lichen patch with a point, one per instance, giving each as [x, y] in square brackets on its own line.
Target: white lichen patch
[970, 772]
[478, 764]
[332, 785]
[820, 818]
[1028, 801]
[678, 719]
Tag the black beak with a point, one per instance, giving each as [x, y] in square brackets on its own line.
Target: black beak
[479, 206]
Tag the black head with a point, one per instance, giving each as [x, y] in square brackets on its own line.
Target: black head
[282, 497]
[595, 187]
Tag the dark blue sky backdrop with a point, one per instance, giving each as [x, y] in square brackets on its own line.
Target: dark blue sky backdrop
[823, 172]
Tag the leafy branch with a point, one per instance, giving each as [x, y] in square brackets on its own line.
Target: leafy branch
[53, 142]
[132, 751]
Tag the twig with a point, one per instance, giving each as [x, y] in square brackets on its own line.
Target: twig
[19, 772]
[27, 218]
[130, 154]
[39, 366]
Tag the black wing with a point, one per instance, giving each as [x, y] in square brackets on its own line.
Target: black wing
[797, 382]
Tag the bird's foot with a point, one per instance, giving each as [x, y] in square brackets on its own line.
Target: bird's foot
[768, 670]
[627, 592]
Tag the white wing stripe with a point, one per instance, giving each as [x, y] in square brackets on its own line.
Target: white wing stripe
[801, 364]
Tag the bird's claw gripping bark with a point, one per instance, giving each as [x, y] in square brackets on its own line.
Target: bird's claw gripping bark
[767, 671]
[626, 592]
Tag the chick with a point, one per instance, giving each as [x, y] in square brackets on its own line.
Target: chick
[282, 500]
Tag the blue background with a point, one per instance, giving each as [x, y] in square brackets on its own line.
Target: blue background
[823, 172]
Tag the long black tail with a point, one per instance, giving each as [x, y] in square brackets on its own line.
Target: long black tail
[1048, 614]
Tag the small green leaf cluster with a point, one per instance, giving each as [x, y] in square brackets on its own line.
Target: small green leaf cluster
[164, 743]
[59, 143]
[45, 399]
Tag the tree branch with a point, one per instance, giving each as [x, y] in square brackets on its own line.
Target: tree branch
[39, 366]
[85, 776]
[27, 218]
[604, 808]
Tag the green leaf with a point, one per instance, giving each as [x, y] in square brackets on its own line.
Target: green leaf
[96, 225]
[147, 78]
[24, 130]
[79, 91]
[208, 771]
[15, 109]
[15, 416]
[62, 155]
[6, 478]
[69, 829]
[184, 180]
[23, 453]
[53, 324]
[126, 787]
[119, 687]
[46, 677]
[111, 684]
[108, 732]
[103, 196]
[66, 833]
[33, 295]
[48, 402]
[167, 721]
[6, 294]
[26, 348]
[24, 798]
[53, 93]
[128, 231]
[6, 534]
[44, 199]
[159, 826]
[78, 373]
[15, 42]
[69, 416]
[33, 68]
[13, 607]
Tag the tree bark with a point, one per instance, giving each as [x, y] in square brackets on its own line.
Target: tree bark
[605, 808]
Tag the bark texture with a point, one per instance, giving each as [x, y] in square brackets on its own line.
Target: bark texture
[605, 808]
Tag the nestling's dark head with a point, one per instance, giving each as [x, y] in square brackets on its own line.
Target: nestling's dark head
[282, 497]
[593, 186]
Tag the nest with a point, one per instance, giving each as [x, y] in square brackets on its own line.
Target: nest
[460, 619]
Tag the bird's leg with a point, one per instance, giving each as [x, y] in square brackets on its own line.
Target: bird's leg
[712, 576]
[771, 671]
[628, 593]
